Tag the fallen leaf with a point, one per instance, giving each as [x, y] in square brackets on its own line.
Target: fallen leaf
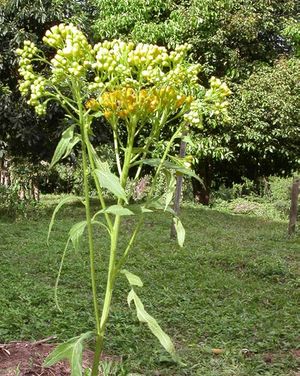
[217, 351]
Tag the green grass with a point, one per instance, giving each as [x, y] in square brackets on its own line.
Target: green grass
[234, 286]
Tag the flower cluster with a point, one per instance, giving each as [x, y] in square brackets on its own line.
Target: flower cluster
[73, 51]
[194, 116]
[215, 98]
[126, 102]
[33, 84]
[121, 79]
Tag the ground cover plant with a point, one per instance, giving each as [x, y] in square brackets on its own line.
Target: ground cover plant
[234, 286]
[140, 90]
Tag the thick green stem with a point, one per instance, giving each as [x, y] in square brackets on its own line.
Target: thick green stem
[112, 270]
[90, 234]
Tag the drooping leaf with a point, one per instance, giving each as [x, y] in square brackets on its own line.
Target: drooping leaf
[59, 274]
[76, 233]
[179, 230]
[62, 146]
[111, 182]
[133, 279]
[170, 189]
[153, 325]
[71, 145]
[62, 202]
[71, 351]
[158, 205]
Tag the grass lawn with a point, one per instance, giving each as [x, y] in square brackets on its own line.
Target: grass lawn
[234, 286]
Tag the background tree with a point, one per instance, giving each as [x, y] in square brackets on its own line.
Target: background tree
[231, 39]
[22, 133]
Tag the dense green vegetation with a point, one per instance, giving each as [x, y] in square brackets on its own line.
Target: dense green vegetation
[253, 46]
[229, 297]
[234, 286]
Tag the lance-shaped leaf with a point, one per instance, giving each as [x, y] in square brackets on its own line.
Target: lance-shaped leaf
[133, 279]
[171, 184]
[116, 210]
[63, 145]
[71, 351]
[111, 182]
[158, 205]
[62, 202]
[169, 165]
[76, 233]
[153, 325]
[71, 145]
[179, 230]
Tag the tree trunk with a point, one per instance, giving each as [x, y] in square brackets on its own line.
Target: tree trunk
[294, 206]
[178, 190]
[201, 191]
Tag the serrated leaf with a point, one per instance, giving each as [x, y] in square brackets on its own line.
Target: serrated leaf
[179, 230]
[62, 146]
[76, 233]
[58, 207]
[153, 325]
[111, 182]
[133, 279]
[71, 351]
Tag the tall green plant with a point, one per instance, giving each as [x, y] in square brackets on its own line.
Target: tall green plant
[139, 89]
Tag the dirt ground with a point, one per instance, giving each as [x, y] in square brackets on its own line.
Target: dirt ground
[26, 359]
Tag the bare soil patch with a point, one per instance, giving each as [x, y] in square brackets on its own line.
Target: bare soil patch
[26, 359]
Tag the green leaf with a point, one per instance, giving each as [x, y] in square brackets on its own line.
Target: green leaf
[153, 325]
[169, 165]
[118, 210]
[171, 185]
[76, 233]
[158, 205]
[71, 145]
[63, 145]
[179, 230]
[59, 205]
[111, 182]
[71, 351]
[133, 279]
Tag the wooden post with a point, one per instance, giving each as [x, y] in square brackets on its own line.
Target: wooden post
[178, 189]
[294, 206]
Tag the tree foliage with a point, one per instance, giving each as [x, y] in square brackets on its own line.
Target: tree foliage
[21, 131]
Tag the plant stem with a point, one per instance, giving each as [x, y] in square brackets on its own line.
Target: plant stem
[112, 270]
[111, 276]
[84, 142]
[90, 233]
